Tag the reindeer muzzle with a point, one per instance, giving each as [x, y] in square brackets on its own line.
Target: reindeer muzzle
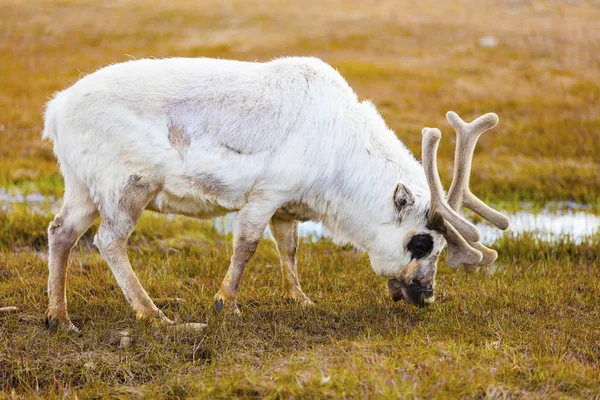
[414, 293]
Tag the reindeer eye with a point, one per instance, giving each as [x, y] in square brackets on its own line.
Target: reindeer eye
[420, 246]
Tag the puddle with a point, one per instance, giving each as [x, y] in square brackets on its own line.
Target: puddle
[554, 221]
[546, 226]
[35, 202]
[33, 198]
[314, 230]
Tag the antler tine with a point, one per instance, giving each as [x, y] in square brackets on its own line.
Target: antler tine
[489, 256]
[467, 136]
[431, 139]
[460, 252]
[459, 193]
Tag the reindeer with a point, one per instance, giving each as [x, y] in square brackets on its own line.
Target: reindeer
[277, 142]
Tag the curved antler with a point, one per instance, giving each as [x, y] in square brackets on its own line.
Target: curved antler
[431, 139]
[460, 252]
[466, 139]
[464, 247]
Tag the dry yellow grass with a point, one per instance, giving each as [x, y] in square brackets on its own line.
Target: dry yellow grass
[416, 60]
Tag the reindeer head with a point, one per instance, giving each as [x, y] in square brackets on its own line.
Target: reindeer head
[417, 282]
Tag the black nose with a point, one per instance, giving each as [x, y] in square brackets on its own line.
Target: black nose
[417, 294]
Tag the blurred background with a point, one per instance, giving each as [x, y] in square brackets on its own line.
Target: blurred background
[535, 63]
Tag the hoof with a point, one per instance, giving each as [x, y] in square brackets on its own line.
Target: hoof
[162, 319]
[219, 305]
[153, 317]
[300, 298]
[228, 307]
[306, 302]
[55, 324]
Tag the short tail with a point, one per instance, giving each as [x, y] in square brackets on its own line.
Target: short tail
[53, 110]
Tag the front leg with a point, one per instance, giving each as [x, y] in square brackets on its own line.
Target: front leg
[250, 224]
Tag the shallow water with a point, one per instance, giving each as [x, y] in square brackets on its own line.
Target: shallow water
[35, 200]
[545, 226]
[314, 230]
[557, 220]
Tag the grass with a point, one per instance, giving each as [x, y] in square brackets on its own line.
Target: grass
[528, 328]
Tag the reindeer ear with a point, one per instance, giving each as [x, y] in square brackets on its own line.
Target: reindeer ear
[403, 199]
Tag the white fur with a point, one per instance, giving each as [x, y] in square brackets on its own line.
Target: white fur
[291, 129]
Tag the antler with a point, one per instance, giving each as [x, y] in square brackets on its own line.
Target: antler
[464, 247]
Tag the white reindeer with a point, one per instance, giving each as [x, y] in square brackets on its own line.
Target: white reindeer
[278, 142]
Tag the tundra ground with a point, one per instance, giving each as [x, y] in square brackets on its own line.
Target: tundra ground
[528, 328]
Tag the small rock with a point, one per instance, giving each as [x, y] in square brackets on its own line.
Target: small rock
[123, 338]
[488, 41]
[8, 310]
[125, 342]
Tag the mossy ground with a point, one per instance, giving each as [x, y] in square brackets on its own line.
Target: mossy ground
[529, 328]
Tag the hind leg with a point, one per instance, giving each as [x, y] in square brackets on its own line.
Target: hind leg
[75, 217]
[285, 233]
[111, 239]
[250, 224]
